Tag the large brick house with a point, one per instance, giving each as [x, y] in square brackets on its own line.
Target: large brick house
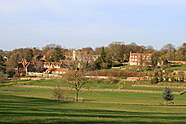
[140, 59]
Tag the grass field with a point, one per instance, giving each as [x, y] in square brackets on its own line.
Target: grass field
[105, 84]
[36, 105]
[177, 68]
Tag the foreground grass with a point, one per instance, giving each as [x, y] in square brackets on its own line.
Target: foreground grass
[20, 105]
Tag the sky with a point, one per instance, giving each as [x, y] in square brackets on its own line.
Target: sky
[91, 23]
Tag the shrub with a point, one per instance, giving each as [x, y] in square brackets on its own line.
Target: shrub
[114, 80]
[167, 95]
[154, 80]
[3, 78]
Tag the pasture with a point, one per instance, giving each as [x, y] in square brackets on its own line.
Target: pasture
[37, 105]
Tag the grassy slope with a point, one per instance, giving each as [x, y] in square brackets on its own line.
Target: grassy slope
[178, 68]
[104, 84]
[19, 105]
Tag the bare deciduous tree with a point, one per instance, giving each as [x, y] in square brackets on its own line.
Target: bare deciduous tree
[58, 93]
[25, 65]
[77, 80]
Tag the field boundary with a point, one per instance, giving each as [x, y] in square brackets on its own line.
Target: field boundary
[179, 87]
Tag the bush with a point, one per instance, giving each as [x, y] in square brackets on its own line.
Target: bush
[154, 80]
[113, 80]
[167, 95]
[3, 78]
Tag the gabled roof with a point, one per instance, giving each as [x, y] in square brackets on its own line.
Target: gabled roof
[58, 69]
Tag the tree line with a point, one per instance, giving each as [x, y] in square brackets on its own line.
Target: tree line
[111, 55]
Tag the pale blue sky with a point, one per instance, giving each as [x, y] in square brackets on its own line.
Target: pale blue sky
[82, 23]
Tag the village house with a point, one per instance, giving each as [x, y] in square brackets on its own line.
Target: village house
[55, 67]
[57, 70]
[140, 59]
[52, 64]
[71, 57]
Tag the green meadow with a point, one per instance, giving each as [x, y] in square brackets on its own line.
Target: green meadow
[177, 68]
[37, 105]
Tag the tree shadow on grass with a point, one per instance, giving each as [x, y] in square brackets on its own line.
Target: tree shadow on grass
[44, 111]
[10, 103]
[52, 121]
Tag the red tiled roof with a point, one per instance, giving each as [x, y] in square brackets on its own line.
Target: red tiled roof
[58, 69]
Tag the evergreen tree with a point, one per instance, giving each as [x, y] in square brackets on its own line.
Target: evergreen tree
[103, 61]
[2, 65]
[58, 54]
[167, 95]
[3, 78]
